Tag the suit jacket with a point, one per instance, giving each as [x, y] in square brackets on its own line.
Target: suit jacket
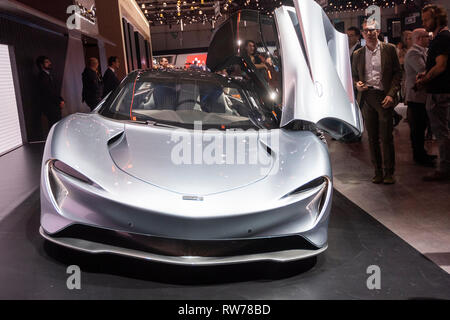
[358, 46]
[415, 62]
[390, 69]
[48, 95]
[92, 87]
[110, 82]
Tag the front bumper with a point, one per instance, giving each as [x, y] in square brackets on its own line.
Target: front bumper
[100, 241]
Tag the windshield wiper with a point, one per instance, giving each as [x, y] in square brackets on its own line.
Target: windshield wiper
[152, 123]
[160, 124]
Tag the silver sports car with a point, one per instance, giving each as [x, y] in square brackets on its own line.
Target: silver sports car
[207, 168]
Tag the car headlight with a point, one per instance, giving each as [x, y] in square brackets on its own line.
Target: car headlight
[68, 170]
[316, 183]
[319, 191]
[55, 170]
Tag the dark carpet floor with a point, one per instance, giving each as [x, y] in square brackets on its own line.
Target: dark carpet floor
[31, 268]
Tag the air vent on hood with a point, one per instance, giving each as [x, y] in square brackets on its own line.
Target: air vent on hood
[115, 139]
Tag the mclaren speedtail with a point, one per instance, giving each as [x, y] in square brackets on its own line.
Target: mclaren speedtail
[223, 166]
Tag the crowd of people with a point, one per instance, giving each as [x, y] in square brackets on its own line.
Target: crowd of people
[163, 64]
[95, 86]
[417, 72]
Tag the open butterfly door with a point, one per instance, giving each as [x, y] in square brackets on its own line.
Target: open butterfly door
[317, 79]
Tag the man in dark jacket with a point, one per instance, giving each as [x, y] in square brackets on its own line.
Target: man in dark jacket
[49, 99]
[92, 84]
[110, 80]
[377, 76]
[354, 37]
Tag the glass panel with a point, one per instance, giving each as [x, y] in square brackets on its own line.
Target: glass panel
[221, 104]
[239, 49]
[221, 48]
[272, 56]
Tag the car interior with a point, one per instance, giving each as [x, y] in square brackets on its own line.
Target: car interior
[184, 102]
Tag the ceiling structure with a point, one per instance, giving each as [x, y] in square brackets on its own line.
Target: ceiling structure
[172, 12]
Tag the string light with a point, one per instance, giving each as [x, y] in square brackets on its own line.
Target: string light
[194, 11]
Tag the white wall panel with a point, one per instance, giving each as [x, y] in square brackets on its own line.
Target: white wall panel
[72, 85]
[10, 134]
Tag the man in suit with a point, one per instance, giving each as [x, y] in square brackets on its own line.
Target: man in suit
[110, 80]
[354, 37]
[377, 76]
[92, 84]
[415, 63]
[49, 99]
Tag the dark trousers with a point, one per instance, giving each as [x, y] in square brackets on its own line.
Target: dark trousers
[53, 115]
[379, 125]
[438, 108]
[417, 120]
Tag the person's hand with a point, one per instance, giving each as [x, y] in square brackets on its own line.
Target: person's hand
[420, 81]
[387, 102]
[62, 104]
[420, 76]
[419, 85]
[361, 87]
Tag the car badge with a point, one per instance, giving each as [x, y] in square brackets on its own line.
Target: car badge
[192, 198]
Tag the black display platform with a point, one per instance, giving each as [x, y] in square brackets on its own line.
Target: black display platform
[31, 268]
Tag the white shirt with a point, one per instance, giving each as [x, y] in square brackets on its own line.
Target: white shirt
[112, 69]
[373, 73]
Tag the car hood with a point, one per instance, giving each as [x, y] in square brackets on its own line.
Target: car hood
[166, 158]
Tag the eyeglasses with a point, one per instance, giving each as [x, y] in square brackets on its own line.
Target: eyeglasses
[369, 30]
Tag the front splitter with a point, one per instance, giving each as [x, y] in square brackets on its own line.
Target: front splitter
[101, 248]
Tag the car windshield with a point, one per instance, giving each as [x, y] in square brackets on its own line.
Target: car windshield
[185, 102]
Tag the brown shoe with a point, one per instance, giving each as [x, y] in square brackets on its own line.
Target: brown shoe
[437, 176]
[389, 179]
